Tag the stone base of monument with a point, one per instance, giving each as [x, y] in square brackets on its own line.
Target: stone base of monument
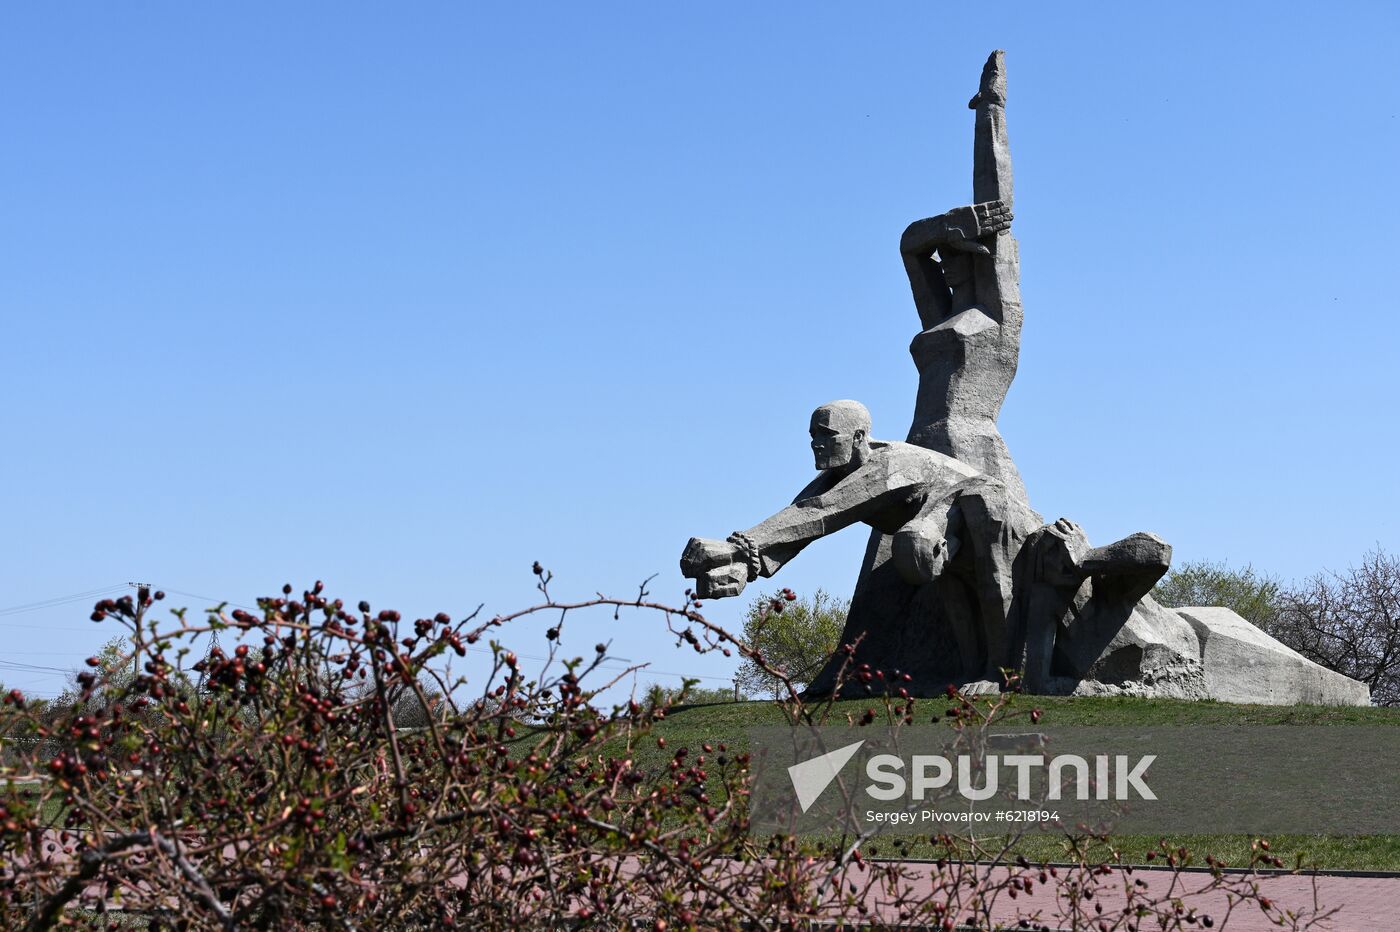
[1243, 664]
[1208, 653]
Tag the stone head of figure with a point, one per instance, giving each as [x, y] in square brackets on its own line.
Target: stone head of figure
[956, 266]
[840, 434]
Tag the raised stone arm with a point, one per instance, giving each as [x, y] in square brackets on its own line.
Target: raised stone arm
[960, 228]
[942, 288]
[969, 303]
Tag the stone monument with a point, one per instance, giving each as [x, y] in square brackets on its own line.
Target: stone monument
[962, 579]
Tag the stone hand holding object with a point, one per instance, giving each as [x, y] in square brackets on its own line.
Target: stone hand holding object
[717, 566]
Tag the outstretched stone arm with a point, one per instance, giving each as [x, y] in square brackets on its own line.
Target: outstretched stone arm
[859, 497]
[722, 568]
[1129, 567]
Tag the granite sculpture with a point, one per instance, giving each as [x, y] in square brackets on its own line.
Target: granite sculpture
[962, 580]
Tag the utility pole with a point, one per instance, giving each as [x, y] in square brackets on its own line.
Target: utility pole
[143, 592]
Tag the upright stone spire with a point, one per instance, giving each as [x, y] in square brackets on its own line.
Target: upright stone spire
[964, 271]
[997, 278]
[991, 154]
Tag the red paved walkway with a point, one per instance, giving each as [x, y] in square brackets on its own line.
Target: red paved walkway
[1335, 904]
[1355, 904]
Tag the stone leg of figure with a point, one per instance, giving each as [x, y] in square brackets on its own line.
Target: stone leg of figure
[996, 521]
[874, 631]
[1052, 585]
[921, 552]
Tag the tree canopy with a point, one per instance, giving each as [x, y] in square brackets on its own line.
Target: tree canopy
[793, 635]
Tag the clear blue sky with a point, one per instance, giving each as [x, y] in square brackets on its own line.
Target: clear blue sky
[405, 297]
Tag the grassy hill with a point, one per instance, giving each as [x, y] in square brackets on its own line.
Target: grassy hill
[692, 726]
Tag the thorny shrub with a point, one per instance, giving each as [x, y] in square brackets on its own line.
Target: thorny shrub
[269, 787]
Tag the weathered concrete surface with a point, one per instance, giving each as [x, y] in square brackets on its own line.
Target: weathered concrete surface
[1243, 664]
[1154, 653]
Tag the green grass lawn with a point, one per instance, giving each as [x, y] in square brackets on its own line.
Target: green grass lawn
[693, 726]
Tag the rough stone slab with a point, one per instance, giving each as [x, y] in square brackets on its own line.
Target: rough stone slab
[1154, 654]
[1243, 664]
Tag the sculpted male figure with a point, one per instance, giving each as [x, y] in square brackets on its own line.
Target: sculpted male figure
[961, 578]
[897, 488]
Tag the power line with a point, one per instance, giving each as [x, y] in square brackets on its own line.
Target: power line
[205, 598]
[615, 669]
[30, 667]
[58, 600]
[41, 653]
[83, 596]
